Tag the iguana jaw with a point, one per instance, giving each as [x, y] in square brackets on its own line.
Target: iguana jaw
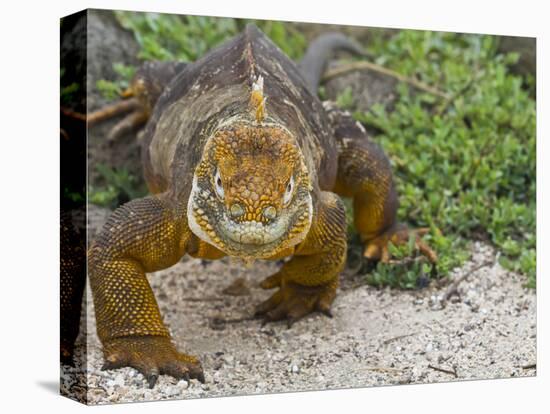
[250, 239]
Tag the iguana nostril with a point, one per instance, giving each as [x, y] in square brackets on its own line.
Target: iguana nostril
[270, 212]
[236, 210]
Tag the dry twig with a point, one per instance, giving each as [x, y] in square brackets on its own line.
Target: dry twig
[395, 338]
[204, 299]
[530, 366]
[453, 287]
[450, 99]
[355, 66]
[446, 371]
[385, 369]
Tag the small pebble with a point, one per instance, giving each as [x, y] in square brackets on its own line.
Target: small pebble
[172, 391]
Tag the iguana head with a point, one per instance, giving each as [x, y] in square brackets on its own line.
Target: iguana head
[251, 194]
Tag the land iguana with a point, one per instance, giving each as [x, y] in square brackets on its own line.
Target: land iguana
[242, 159]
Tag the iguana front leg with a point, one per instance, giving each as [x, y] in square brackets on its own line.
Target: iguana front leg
[308, 282]
[364, 173]
[144, 235]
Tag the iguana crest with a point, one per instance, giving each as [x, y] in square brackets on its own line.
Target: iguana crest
[257, 99]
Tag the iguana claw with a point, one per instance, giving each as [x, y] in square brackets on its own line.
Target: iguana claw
[292, 302]
[377, 248]
[152, 356]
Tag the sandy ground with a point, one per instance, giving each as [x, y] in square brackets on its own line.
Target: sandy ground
[376, 337]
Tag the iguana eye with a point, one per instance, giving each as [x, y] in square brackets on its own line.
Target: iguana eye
[218, 184]
[289, 191]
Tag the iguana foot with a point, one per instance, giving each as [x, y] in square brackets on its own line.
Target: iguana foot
[139, 99]
[377, 248]
[293, 301]
[136, 115]
[152, 356]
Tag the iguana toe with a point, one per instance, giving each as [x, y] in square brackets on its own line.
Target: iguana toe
[377, 248]
[151, 356]
[292, 302]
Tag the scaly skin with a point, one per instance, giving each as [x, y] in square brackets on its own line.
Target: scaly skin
[309, 280]
[234, 175]
[142, 236]
[364, 174]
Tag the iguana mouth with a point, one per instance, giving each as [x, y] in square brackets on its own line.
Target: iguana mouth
[253, 239]
[253, 233]
[249, 238]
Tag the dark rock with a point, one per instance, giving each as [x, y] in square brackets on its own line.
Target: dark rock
[527, 49]
[367, 87]
[73, 57]
[109, 43]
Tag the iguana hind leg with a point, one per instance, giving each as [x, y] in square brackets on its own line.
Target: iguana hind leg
[308, 282]
[139, 99]
[364, 173]
[144, 235]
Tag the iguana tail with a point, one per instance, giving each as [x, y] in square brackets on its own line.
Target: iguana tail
[320, 51]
